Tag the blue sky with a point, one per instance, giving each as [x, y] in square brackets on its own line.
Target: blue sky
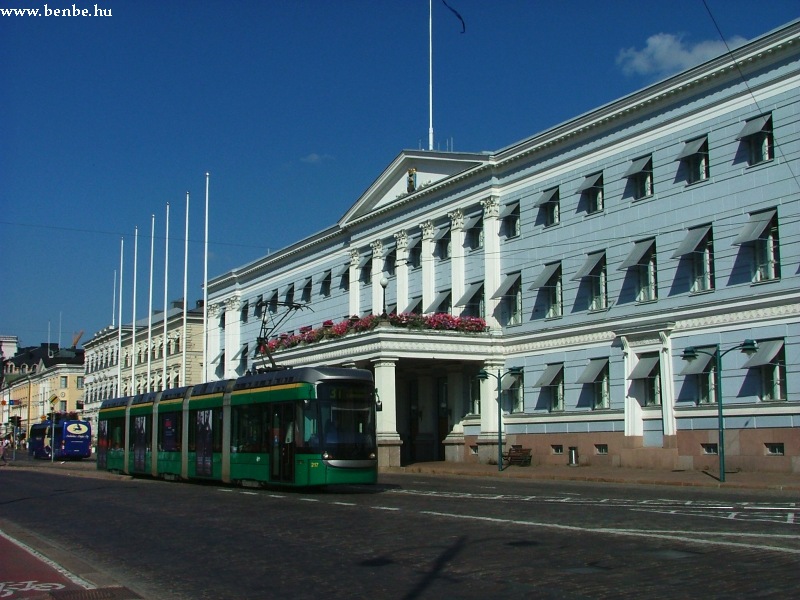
[294, 107]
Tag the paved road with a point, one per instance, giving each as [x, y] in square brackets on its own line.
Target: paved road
[414, 536]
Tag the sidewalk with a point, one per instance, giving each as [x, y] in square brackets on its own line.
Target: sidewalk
[739, 480]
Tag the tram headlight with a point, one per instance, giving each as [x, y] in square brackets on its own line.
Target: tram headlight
[326, 455]
[372, 456]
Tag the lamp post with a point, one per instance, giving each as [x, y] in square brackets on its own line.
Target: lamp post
[483, 374]
[748, 347]
[384, 283]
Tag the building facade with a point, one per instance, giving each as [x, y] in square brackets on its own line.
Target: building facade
[596, 252]
[39, 380]
[144, 358]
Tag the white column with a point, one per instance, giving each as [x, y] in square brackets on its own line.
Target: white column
[214, 341]
[377, 273]
[355, 286]
[667, 386]
[428, 264]
[233, 335]
[634, 423]
[388, 439]
[456, 256]
[491, 258]
[401, 270]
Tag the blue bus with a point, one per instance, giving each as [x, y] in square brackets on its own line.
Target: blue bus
[71, 438]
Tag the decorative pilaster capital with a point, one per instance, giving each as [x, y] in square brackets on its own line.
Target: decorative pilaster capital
[355, 255]
[401, 239]
[456, 219]
[377, 249]
[428, 230]
[491, 207]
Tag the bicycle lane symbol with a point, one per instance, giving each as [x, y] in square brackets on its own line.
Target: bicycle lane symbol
[10, 589]
[26, 573]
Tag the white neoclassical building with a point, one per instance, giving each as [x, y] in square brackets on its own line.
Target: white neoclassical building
[597, 252]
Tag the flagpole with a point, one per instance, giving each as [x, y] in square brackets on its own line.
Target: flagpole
[205, 293]
[119, 309]
[185, 334]
[430, 74]
[133, 325]
[114, 301]
[150, 307]
[164, 346]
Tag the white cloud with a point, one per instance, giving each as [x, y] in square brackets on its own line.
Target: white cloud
[315, 159]
[666, 54]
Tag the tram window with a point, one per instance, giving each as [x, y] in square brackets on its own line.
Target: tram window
[170, 432]
[310, 425]
[140, 430]
[116, 427]
[216, 429]
[249, 425]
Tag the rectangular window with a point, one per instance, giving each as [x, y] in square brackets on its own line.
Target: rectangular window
[709, 448]
[773, 378]
[695, 159]
[513, 393]
[551, 383]
[390, 262]
[245, 311]
[80, 382]
[513, 302]
[703, 264]
[554, 297]
[474, 235]
[557, 449]
[325, 285]
[599, 292]
[642, 259]
[646, 376]
[601, 448]
[766, 249]
[550, 205]
[774, 448]
[595, 374]
[443, 246]
[591, 191]
[640, 176]
[305, 291]
[758, 140]
[64, 382]
[511, 220]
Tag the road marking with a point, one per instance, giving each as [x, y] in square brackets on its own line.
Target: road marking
[385, 508]
[71, 576]
[613, 531]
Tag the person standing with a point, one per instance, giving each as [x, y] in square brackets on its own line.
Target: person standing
[6, 445]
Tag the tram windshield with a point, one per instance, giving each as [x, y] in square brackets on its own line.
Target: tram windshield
[347, 415]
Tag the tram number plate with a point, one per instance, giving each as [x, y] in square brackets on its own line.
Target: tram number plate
[313, 463]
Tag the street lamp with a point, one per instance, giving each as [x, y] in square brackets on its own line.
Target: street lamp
[748, 347]
[384, 283]
[483, 375]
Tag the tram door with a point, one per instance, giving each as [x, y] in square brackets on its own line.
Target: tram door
[282, 434]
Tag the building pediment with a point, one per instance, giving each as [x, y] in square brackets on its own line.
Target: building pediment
[409, 174]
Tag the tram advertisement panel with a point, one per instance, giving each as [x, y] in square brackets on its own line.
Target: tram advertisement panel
[204, 445]
[140, 443]
[169, 427]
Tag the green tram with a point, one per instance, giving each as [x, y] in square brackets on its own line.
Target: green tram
[294, 427]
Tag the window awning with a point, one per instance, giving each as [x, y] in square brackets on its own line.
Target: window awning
[242, 350]
[755, 227]
[691, 148]
[413, 304]
[638, 166]
[590, 182]
[644, 367]
[471, 221]
[301, 285]
[510, 382]
[289, 289]
[469, 294]
[343, 271]
[271, 296]
[363, 260]
[753, 126]
[549, 375]
[640, 248]
[592, 260]
[593, 370]
[545, 276]
[507, 284]
[444, 231]
[259, 301]
[691, 241]
[509, 209]
[219, 357]
[326, 275]
[437, 302]
[413, 241]
[699, 364]
[547, 196]
[767, 351]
